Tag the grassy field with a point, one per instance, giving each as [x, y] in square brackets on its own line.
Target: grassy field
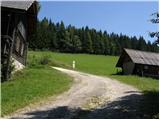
[105, 66]
[32, 85]
[17, 89]
[99, 65]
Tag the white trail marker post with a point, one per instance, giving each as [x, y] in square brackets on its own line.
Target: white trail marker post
[73, 65]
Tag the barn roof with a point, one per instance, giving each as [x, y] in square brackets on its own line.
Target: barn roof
[140, 57]
[22, 5]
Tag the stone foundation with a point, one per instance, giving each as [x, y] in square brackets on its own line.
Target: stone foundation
[18, 65]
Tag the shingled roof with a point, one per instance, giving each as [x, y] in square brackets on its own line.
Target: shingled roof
[22, 5]
[140, 57]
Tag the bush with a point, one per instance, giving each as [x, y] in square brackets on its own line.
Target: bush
[33, 61]
[36, 61]
[40, 61]
[45, 60]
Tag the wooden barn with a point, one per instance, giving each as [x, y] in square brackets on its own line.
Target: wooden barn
[18, 24]
[139, 62]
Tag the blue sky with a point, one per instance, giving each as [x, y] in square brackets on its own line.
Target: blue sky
[130, 18]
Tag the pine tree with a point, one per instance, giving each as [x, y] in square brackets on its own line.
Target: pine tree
[141, 44]
[88, 43]
[76, 44]
[61, 36]
[106, 43]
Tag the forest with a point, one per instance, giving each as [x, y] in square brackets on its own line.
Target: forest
[69, 39]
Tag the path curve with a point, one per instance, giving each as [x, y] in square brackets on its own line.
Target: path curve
[90, 96]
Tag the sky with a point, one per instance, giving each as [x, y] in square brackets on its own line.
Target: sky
[129, 18]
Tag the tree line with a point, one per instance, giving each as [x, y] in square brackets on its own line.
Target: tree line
[56, 37]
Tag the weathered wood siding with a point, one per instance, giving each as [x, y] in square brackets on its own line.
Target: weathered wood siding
[147, 70]
[14, 24]
[128, 68]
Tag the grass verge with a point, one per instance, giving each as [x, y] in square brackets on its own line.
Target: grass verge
[31, 85]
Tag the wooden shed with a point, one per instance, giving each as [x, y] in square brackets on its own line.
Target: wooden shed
[139, 62]
[18, 24]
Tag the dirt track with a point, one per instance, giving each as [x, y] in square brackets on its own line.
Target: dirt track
[90, 96]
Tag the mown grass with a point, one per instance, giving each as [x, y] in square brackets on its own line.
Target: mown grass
[32, 84]
[96, 64]
[99, 65]
[36, 81]
[105, 66]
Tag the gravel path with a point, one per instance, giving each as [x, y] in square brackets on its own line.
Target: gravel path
[90, 96]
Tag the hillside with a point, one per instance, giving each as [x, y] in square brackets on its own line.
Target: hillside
[95, 64]
[105, 66]
[38, 74]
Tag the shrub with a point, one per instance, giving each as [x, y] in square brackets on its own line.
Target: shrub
[45, 60]
[33, 61]
[39, 61]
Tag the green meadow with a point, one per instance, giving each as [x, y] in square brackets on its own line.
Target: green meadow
[105, 66]
[38, 80]
[98, 65]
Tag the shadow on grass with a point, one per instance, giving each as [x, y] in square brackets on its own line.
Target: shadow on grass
[117, 73]
[125, 107]
[150, 104]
